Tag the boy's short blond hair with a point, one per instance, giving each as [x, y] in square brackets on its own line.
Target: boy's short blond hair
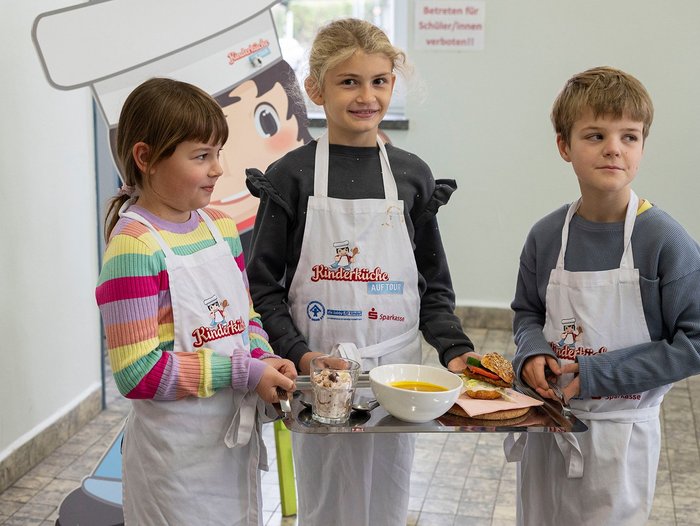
[605, 91]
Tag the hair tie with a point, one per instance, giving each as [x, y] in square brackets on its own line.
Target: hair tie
[126, 190]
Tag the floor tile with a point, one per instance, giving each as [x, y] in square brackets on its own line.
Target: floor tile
[435, 519]
[466, 520]
[16, 494]
[34, 511]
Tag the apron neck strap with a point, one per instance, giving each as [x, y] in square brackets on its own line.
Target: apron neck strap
[630, 216]
[321, 169]
[215, 232]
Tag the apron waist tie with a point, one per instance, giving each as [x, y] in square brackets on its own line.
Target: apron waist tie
[251, 411]
[243, 422]
[571, 451]
[568, 443]
[514, 447]
[349, 350]
[621, 416]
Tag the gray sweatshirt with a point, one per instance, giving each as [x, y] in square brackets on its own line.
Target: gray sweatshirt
[668, 260]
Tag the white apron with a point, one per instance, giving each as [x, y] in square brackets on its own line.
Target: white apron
[369, 302]
[607, 475]
[192, 461]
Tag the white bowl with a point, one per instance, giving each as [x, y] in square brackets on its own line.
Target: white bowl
[414, 406]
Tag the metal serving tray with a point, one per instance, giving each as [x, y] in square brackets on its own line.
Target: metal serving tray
[548, 418]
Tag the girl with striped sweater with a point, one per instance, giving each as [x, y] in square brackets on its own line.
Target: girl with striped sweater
[185, 344]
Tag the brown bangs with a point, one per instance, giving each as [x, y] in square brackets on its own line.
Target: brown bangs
[201, 120]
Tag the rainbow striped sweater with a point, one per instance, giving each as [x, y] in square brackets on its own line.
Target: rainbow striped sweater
[133, 294]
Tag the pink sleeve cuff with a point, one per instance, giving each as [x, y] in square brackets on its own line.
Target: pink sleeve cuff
[240, 369]
[255, 373]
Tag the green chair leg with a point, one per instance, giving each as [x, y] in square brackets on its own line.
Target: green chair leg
[285, 469]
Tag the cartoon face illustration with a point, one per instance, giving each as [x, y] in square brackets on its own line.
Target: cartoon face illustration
[266, 119]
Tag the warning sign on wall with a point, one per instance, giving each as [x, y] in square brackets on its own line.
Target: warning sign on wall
[449, 25]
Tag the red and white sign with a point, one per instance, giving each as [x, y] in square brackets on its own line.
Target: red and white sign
[449, 25]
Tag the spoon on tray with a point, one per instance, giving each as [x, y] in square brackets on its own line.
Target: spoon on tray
[363, 403]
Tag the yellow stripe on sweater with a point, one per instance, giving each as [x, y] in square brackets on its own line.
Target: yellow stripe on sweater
[205, 389]
[122, 357]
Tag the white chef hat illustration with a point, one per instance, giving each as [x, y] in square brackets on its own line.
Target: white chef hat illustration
[341, 244]
[114, 45]
[568, 321]
[211, 300]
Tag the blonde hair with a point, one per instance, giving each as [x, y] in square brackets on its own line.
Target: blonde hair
[339, 40]
[161, 113]
[605, 91]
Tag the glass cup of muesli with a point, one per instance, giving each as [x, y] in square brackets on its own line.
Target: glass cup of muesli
[333, 381]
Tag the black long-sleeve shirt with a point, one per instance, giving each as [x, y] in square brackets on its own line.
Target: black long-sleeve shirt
[354, 173]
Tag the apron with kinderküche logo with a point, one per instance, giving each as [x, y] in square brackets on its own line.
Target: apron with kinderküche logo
[607, 475]
[356, 289]
[197, 460]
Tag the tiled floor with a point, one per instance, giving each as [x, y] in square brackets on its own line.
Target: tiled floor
[457, 479]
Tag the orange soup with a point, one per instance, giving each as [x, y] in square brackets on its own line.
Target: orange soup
[418, 386]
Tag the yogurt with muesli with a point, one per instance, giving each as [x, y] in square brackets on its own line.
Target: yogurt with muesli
[333, 391]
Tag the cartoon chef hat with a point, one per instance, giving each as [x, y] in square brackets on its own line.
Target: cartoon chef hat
[213, 44]
[211, 300]
[341, 244]
[568, 321]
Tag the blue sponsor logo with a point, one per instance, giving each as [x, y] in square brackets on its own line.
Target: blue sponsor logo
[341, 314]
[315, 310]
[385, 287]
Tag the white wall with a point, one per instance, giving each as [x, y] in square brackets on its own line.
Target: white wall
[49, 322]
[484, 121]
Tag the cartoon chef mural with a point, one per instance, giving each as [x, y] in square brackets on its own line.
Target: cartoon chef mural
[230, 49]
[227, 47]
[267, 118]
